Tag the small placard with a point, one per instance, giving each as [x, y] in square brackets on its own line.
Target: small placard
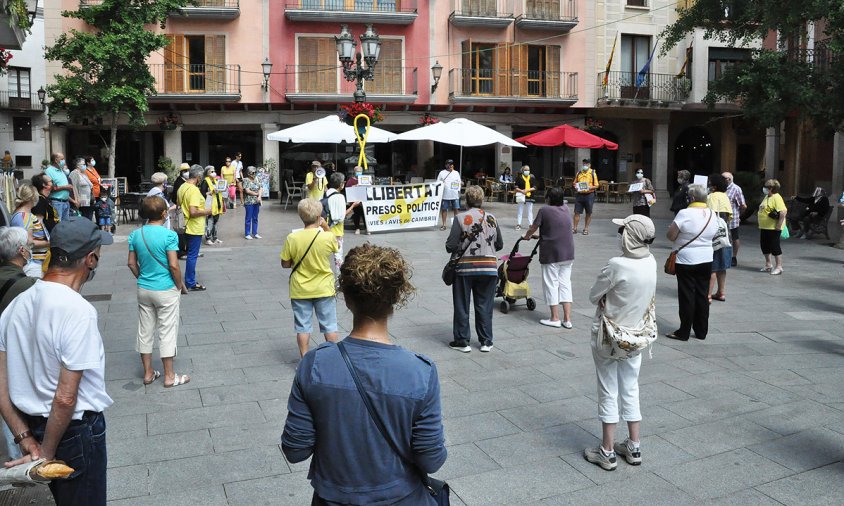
[583, 186]
[635, 187]
[701, 181]
[365, 180]
[355, 194]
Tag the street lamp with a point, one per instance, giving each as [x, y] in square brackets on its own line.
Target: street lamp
[437, 73]
[42, 95]
[267, 68]
[353, 70]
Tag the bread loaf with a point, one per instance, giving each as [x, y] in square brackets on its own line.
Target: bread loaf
[53, 469]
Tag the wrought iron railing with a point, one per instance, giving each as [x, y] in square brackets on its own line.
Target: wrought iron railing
[326, 79]
[631, 86]
[384, 6]
[821, 57]
[20, 101]
[483, 8]
[550, 10]
[196, 79]
[228, 4]
[512, 83]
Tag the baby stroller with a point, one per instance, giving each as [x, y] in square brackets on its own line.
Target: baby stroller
[512, 278]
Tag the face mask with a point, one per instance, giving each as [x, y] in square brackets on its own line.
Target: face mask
[679, 181]
[61, 163]
[66, 171]
[103, 199]
[93, 163]
[584, 168]
[526, 172]
[213, 174]
[620, 241]
[28, 258]
[639, 175]
[184, 175]
[764, 191]
[358, 174]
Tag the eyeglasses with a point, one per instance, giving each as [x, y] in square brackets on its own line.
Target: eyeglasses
[621, 229]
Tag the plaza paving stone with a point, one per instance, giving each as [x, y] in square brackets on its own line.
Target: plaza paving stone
[752, 415]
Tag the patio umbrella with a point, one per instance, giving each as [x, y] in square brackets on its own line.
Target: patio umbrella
[329, 130]
[459, 132]
[567, 135]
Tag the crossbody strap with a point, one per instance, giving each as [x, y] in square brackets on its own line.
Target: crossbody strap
[306, 254]
[10, 283]
[699, 233]
[150, 251]
[472, 239]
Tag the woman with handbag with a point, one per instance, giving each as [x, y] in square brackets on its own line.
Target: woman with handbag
[474, 237]
[153, 260]
[387, 398]
[624, 293]
[722, 248]
[692, 232]
[771, 218]
[525, 196]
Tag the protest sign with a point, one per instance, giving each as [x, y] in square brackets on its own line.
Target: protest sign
[399, 207]
[264, 178]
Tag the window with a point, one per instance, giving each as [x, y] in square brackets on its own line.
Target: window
[317, 69]
[23, 161]
[722, 58]
[483, 70]
[542, 9]
[195, 64]
[22, 127]
[479, 8]
[637, 3]
[635, 50]
[388, 71]
[18, 82]
[511, 70]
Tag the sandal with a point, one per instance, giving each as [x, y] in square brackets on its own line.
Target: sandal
[719, 297]
[155, 376]
[776, 272]
[585, 232]
[197, 288]
[767, 268]
[442, 227]
[179, 379]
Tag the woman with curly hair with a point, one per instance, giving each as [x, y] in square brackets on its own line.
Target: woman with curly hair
[402, 387]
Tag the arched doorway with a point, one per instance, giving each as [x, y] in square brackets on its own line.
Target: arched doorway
[694, 152]
[604, 161]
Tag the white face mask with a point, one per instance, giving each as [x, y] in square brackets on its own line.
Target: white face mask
[679, 181]
[358, 174]
[639, 175]
[184, 175]
[526, 172]
[764, 191]
[93, 163]
[584, 168]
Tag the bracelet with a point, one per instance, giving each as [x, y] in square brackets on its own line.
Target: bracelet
[23, 435]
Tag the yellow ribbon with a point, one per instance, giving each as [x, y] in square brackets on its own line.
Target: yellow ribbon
[362, 140]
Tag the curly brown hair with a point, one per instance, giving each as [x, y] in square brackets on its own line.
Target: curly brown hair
[375, 280]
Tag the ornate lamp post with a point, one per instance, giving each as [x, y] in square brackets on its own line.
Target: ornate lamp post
[353, 70]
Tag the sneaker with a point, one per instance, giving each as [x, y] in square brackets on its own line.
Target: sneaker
[209, 242]
[599, 458]
[217, 241]
[551, 323]
[357, 231]
[567, 325]
[632, 454]
[256, 236]
[486, 348]
[460, 346]
[518, 227]
[248, 238]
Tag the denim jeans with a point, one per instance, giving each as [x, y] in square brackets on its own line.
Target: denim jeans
[62, 208]
[12, 448]
[482, 289]
[211, 227]
[194, 243]
[82, 447]
[252, 211]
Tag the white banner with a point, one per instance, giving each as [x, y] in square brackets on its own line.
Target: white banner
[402, 206]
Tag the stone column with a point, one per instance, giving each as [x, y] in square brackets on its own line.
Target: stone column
[772, 152]
[837, 184]
[271, 152]
[57, 140]
[660, 159]
[173, 145]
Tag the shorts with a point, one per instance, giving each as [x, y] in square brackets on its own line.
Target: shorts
[734, 234]
[104, 221]
[450, 204]
[722, 259]
[326, 312]
[584, 203]
[769, 242]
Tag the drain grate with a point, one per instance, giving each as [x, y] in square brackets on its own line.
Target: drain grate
[98, 297]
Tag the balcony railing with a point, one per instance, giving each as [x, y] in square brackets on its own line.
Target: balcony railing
[196, 82]
[396, 12]
[655, 89]
[506, 85]
[489, 13]
[548, 15]
[820, 57]
[22, 102]
[324, 83]
[203, 9]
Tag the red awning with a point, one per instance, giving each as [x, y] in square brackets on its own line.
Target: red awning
[567, 135]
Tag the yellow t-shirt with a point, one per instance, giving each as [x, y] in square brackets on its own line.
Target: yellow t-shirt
[588, 176]
[313, 278]
[770, 203]
[719, 203]
[319, 188]
[228, 173]
[189, 195]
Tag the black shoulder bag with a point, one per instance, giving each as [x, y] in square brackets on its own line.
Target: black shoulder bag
[10, 283]
[306, 254]
[437, 488]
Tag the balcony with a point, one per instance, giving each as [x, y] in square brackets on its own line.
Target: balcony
[203, 9]
[321, 83]
[20, 103]
[195, 82]
[507, 86]
[486, 13]
[654, 90]
[12, 36]
[384, 12]
[550, 15]
[821, 57]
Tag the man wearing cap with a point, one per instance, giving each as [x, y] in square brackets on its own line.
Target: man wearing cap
[585, 184]
[54, 400]
[317, 184]
[451, 191]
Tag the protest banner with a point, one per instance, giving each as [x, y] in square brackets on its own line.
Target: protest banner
[399, 207]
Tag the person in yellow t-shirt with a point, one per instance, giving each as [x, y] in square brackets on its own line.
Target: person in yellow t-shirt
[585, 198]
[337, 213]
[316, 186]
[306, 251]
[227, 172]
[722, 254]
[770, 227]
[193, 207]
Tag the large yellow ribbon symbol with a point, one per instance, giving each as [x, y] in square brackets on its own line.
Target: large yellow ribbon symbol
[362, 140]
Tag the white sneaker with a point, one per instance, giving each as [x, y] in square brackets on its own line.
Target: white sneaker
[567, 325]
[217, 241]
[551, 323]
[598, 457]
[209, 242]
[486, 348]
[632, 454]
[248, 237]
[256, 236]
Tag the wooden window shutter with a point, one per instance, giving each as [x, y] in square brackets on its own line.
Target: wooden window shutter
[174, 64]
[317, 68]
[327, 60]
[553, 77]
[388, 71]
[306, 73]
[502, 69]
[518, 69]
[215, 63]
[468, 66]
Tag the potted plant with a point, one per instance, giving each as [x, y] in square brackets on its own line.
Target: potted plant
[427, 119]
[169, 122]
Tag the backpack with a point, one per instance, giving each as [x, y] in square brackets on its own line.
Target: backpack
[325, 211]
[619, 342]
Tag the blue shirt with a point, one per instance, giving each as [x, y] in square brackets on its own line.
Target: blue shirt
[327, 418]
[59, 179]
[154, 276]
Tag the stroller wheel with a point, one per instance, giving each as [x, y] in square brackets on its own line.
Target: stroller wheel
[504, 307]
[531, 304]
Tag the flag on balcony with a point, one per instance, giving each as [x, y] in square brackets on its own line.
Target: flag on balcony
[682, 72]
[609, 64]
[643, 74]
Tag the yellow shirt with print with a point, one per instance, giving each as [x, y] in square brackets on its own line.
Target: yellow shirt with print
[586, 176]
[720, 203]
[313, 278]
[189, 195]
[318, 191]
[228, 174]
[770, 203]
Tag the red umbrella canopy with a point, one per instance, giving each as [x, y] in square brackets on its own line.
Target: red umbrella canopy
[567, 135]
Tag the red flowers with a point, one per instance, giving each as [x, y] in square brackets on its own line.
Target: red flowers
[427, 119]
[5, 56]
[350, 112]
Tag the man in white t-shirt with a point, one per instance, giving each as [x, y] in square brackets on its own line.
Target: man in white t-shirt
[451, 191]
[52, 364]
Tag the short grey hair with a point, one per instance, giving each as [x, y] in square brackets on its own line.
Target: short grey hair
[698, 193]
[79, 162]
[12, 239]
[474, 196]
[684, 175]
[196, 172]
[158, 178]
[335, 180]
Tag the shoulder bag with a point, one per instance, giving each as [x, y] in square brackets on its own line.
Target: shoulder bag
[449, 271]
[671, 262]
[618, 342]
[298, 263]
[438, 489]
[10, 283]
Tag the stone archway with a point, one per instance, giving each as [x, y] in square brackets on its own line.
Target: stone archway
[694, 152]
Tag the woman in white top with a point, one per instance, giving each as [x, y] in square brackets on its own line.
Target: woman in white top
[82, 188]
[692, 232]
[623, 292]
